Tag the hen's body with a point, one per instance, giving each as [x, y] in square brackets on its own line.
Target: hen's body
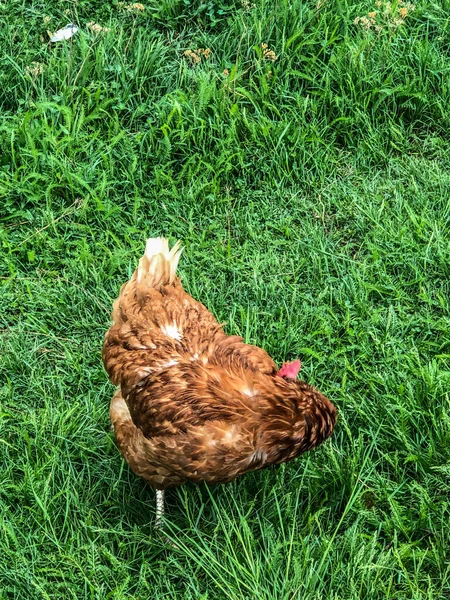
[193, 403]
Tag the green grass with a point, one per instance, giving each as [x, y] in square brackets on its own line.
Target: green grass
[312, 196]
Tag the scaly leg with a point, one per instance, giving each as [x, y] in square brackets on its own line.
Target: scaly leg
[159, 509]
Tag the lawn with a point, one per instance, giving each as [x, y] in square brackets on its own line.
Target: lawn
[301, 153]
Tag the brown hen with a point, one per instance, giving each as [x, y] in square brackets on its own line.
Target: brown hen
[195, 404]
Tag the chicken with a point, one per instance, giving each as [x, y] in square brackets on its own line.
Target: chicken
[195, 404]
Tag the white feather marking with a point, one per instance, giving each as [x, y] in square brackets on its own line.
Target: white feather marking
[172, 331]
[229, 434]
[169, 363]
[248, 392]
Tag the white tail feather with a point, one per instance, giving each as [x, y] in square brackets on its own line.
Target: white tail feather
[158, 266]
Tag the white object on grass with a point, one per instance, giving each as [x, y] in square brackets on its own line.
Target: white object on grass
[65, 33]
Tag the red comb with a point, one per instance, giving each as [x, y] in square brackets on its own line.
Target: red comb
[290, 370]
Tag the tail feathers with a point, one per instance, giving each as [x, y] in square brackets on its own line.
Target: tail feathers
[158, 266]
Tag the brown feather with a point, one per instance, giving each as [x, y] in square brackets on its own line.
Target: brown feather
[195, 404]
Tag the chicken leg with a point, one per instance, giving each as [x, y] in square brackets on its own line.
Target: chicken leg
[159, 509]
